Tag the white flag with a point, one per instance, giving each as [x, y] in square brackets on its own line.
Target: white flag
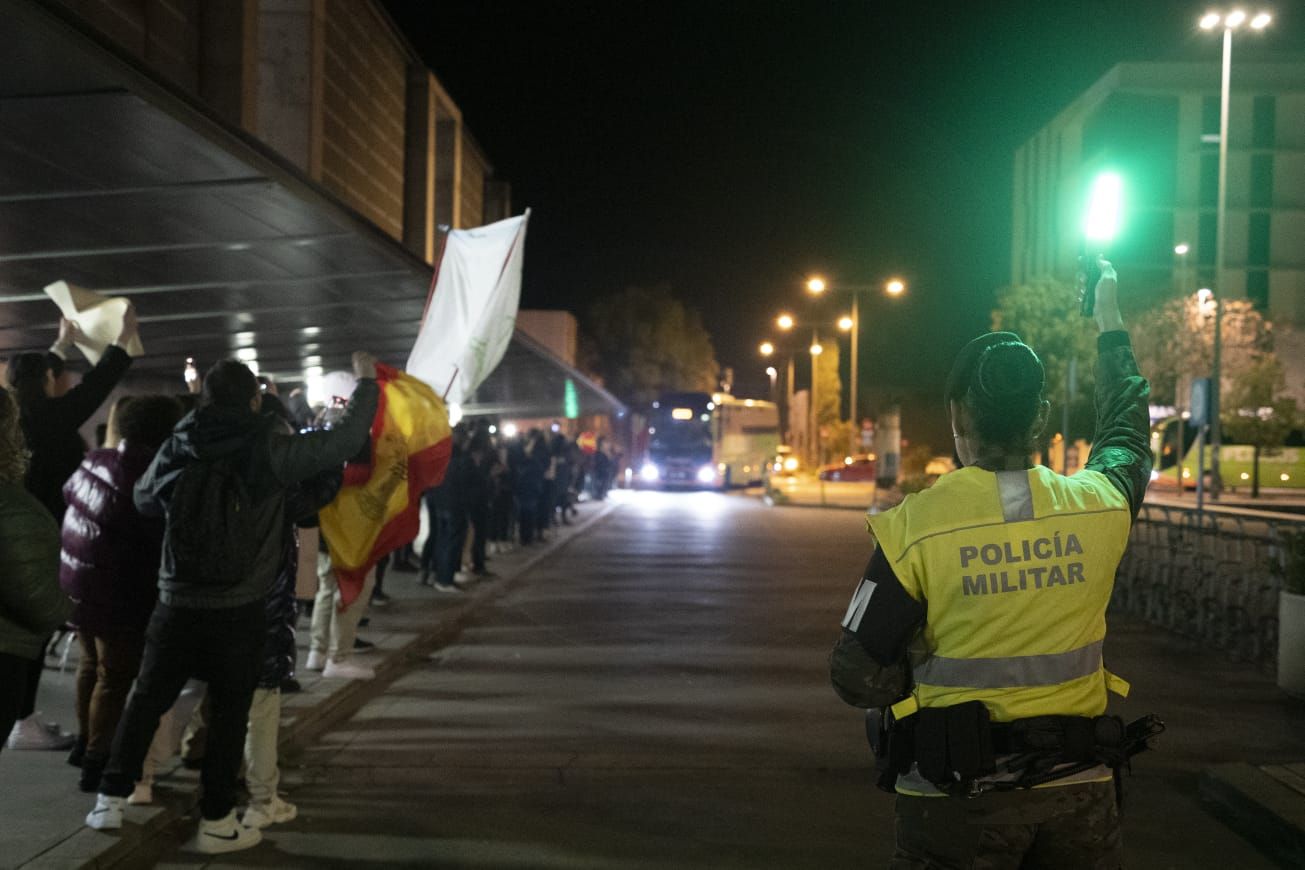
[100, 318]
[473, 311]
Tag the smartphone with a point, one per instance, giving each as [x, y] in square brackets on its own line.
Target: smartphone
[1091, 272]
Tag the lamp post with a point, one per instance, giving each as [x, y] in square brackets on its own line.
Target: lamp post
[1230, 21]
[816, 351]
[817, 285]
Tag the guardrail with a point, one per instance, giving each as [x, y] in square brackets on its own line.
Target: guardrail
[1206, 576]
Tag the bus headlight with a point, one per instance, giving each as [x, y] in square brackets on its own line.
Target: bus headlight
[649, 473]
[706, 474]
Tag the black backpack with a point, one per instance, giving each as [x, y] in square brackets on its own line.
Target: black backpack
[212, 523]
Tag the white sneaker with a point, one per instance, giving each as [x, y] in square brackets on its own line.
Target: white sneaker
[278, 811]
[32, 733]
[316, 660]
[347, 670]
[141, 795]
[462, 578]
[225, 835]
[107, 815]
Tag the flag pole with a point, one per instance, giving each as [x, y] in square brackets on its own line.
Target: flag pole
[444, 396]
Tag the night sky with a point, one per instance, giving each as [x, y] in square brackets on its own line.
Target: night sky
[730, 148]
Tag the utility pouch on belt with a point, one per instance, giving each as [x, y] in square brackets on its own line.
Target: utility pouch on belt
[953, 745]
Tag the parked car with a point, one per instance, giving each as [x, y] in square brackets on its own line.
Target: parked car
[860, 468]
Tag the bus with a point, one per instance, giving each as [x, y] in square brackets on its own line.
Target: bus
[1280, 467]
[711, 441]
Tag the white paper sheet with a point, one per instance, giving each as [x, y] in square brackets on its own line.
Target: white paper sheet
[100, 318]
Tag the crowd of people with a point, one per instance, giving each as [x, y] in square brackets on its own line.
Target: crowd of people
[174, 551]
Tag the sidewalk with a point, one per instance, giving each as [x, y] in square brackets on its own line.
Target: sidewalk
[41, 810]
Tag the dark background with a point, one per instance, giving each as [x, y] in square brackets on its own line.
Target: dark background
[730, 148]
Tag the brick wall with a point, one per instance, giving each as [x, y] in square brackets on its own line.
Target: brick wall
[363, 78]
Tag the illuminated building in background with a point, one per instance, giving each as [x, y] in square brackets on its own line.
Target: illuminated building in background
[1157, 124]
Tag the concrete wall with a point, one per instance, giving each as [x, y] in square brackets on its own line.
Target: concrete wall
[555, 330]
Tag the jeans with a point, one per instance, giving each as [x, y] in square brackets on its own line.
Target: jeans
[107, 668]
[479, 517]
[225, 649]
[451, 537]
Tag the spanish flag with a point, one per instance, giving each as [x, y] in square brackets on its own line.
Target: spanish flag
[377, 509]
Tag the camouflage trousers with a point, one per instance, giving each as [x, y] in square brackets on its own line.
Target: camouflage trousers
[1073, 826]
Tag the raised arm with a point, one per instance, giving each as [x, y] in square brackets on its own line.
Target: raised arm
[1121, 449]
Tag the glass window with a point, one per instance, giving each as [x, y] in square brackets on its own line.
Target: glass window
[1205, 242]
[1209, 180]
[1210, 116]
[1262, 180]
[1263, 122]
[1257, 288]
[1257, 239]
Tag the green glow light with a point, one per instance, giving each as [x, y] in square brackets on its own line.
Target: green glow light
[1101, 223]
[570, 401]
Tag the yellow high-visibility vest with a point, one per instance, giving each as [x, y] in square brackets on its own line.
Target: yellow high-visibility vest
[1016, 568]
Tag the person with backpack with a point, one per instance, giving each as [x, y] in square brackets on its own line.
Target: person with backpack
[221, 483]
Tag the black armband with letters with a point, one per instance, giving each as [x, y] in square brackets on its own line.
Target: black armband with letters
[882, 614]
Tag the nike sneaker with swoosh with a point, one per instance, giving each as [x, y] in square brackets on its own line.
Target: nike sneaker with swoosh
[226, 834]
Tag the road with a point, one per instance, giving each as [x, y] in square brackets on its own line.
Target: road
[656, 695]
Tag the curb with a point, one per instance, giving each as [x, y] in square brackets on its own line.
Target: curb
[139, 842]
[1259, 807]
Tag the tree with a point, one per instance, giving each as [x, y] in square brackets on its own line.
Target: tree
[1174, 341]
[829, 401]
[1255, 412]
[1045, 315]
[648, 343]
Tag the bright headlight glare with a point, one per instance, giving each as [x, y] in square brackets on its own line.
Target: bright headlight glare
[649, 473]
[706, 474]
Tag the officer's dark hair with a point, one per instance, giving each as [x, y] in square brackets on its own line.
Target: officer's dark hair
[147, 421]
[1005, 394]
[229, 384]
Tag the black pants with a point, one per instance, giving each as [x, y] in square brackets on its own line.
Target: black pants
[14, 675]
[479, 518]
[451, 536]
[35, 667]
[222, 647]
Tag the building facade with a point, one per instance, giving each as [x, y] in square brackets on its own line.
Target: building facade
[335, 89]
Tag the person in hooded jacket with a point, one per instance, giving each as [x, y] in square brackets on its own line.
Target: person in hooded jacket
[109, 566]
[51, 413]
[262, 775]
[221, 482]
[31, 603]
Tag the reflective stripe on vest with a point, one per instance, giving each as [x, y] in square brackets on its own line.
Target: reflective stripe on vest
[1017, 569]
[1001, 673]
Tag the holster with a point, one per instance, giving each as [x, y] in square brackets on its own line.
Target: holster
[953, 745]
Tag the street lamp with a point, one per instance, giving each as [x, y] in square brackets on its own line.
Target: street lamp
[894, 287]
[846, 323]
[784, 322]
[816, 349]
[1231, 21]
[816, 285]
[766, 348]
[773, 374]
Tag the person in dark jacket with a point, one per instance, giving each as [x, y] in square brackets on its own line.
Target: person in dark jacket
[221, 483]
[31, 603]
[109, 567]
[478, 492]
[51, 413]
[447, 505]
[262, 776]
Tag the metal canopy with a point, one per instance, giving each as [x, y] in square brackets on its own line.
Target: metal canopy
[116, 181]
[113, 180]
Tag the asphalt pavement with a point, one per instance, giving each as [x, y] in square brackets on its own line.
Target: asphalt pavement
[655, 694]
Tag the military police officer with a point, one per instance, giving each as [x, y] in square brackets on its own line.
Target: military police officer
[975, 636]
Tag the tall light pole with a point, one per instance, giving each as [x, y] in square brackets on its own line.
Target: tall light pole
[816, 350]
[817, 285]
[1230, 21]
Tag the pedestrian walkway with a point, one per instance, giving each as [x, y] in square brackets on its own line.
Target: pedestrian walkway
[41, 810]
